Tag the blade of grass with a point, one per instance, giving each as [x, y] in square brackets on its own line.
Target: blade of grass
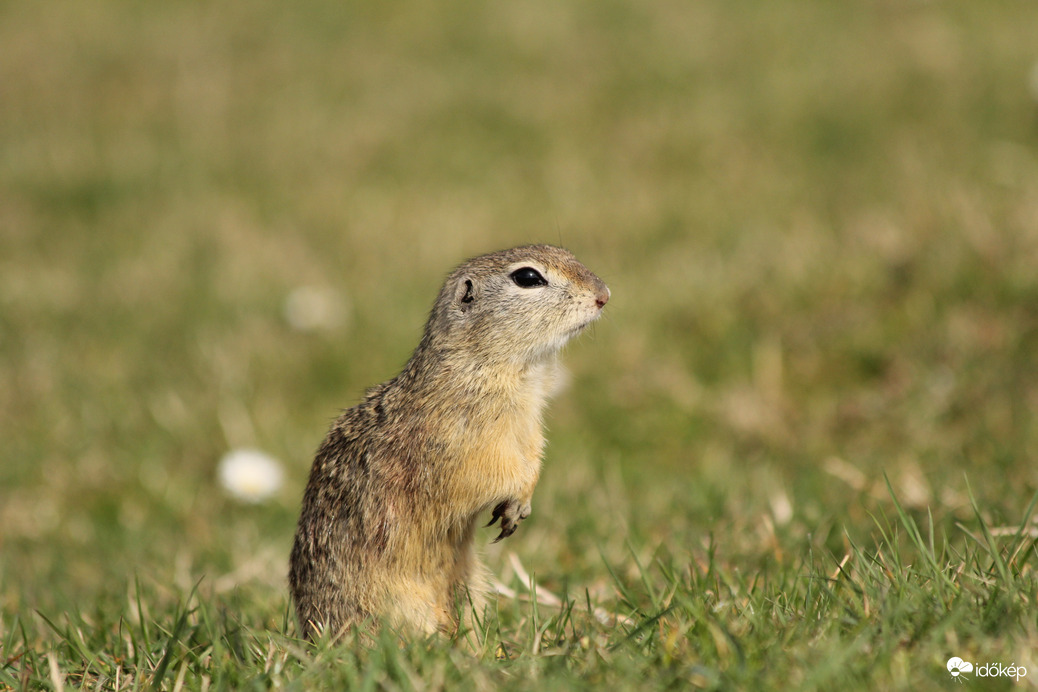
[642, 627]
[173, 640]
[989, 540]
[925, 548]
[628, 596]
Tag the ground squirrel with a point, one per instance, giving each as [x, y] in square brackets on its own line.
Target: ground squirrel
[398, 486]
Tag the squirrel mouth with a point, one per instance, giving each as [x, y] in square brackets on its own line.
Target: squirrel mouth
[583, 325]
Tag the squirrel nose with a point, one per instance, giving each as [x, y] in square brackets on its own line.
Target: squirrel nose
[602, 298]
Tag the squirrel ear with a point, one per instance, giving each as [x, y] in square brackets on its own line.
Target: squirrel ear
[463, 294]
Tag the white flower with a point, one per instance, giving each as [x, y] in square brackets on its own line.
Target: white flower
[309, 308]
[250, 475]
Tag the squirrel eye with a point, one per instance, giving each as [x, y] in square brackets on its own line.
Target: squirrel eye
[528, 277]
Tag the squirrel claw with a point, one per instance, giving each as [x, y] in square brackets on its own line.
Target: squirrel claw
[507, 529]
[510, 512]
[499, 512]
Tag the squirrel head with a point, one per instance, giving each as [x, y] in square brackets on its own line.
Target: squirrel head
[518, 305]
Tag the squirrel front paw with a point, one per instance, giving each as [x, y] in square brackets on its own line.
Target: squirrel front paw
[510, 512]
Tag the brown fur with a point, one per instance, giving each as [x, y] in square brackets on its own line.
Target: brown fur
[398, 486]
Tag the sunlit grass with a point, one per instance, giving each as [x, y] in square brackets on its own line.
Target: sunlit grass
[879, 615]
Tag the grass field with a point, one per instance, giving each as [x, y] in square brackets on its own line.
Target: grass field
[798, 453]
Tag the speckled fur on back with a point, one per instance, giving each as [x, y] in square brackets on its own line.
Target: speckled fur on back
[399, 484]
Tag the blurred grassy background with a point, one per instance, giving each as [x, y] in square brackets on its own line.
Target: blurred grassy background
[819, 222]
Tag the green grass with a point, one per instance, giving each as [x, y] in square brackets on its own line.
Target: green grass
[798, 452]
